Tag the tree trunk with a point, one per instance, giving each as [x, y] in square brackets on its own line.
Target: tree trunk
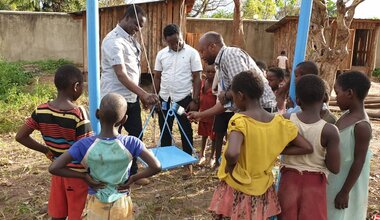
[238, 32]
[325, 49]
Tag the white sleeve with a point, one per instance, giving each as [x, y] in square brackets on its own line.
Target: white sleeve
[195, 62]
[158, 65]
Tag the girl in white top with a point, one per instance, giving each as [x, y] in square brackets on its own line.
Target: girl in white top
[302, 190]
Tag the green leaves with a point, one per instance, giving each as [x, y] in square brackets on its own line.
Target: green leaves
[43, 5]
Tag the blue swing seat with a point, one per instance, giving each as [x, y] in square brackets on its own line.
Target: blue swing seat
[170, 157]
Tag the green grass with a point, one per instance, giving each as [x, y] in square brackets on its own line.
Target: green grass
[21, 90]
[376, 73]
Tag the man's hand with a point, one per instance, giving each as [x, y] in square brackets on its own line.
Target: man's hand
[93, 183]
[341, 200]
[149, 99]
[193, 106]
[194, 116]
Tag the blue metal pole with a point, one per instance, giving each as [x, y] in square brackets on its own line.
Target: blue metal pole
[93, 61]
[301, 42]
[299, 54]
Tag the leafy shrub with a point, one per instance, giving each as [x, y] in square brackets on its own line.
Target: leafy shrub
[21, 91]
[376, 73]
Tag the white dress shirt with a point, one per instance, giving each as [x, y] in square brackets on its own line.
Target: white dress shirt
[177, 70]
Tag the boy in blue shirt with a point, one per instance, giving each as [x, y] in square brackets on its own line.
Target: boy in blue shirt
[108, 159]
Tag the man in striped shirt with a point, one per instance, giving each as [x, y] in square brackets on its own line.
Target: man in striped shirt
[61, 123]
[229, 61]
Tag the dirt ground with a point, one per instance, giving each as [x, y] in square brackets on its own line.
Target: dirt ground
[24, 183]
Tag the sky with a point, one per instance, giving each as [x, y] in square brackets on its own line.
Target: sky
[368, 9]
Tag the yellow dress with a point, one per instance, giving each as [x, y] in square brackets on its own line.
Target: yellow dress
[263, 142]
[254, 197]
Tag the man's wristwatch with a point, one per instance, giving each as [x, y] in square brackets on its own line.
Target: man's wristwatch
[196, 100]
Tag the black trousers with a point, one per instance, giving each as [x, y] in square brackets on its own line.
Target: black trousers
[133, 126]
[183, 120]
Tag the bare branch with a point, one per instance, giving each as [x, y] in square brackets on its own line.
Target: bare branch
[354, 4]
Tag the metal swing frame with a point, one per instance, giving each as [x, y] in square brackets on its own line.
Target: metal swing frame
[170, 157]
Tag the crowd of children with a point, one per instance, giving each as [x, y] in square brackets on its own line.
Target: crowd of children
[324, 162]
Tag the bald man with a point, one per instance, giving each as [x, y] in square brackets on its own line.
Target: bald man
[229, 61]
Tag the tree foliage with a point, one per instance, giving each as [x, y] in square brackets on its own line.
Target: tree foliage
[222, 13]
[43, 5]
[331, 8]
[107, 3]
[287, 8]
[259, 9]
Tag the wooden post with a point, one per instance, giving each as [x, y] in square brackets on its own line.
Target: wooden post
[373, 46]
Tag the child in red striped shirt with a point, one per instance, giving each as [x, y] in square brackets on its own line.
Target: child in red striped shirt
[61, 123]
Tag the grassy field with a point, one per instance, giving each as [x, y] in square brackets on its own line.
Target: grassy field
[24, 180]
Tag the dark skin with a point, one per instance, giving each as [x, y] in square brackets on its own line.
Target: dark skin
[347, 100]
[58, 167]
[329, 137]
[175, 43]
[210, 73]
[132, 26]
[64, 102]
[253, 109]
[208, 51]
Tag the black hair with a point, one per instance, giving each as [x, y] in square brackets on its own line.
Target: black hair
[130, 13]
[278, 72]
[262, 65]
[356, 81]
[249, 83]
[66, 76]
[170, 30]
[113, 108]
[283, 52]
[308, 67]
[310, 89]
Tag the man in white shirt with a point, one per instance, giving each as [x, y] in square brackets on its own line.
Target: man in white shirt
[177, 79]
[121, 70]
[282, 61]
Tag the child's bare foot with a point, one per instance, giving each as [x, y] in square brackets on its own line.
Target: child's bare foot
[212, 162]
[189, 172]
[216, 166]
[202, 160]
[142, 182]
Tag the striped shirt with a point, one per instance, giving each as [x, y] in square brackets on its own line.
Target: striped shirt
[61, 129]
[231, 61]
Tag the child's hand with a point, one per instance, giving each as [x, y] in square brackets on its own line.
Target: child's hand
[341, 200]
[49, 155]
[222, 97]
[125, 187]
[289, 102]
[93, 183]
